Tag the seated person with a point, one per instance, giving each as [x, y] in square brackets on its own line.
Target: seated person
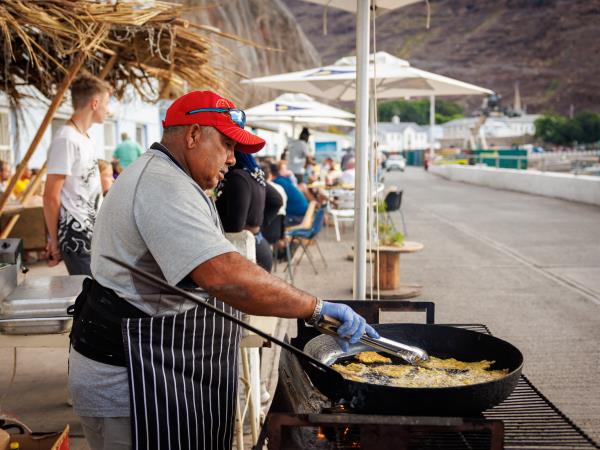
[23, 182]
[311, 170]
[106, 175]
[5, 174]
[273, 228]
[348, 175]
[330, 172]
[285, 172]
[297, 204]
[245, 200]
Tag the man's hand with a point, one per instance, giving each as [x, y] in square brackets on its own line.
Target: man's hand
[53, 253]
[353, 325]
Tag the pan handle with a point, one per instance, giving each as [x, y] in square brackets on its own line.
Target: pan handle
[200, 301]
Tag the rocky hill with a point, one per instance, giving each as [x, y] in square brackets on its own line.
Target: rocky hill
[280, 44]
[551, 48]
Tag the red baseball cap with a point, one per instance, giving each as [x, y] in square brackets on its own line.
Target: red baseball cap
[199, 107]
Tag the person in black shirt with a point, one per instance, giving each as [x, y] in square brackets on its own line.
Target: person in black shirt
[245, 200]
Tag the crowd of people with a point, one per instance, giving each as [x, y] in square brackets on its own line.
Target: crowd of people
[265, 196]
[261, 195]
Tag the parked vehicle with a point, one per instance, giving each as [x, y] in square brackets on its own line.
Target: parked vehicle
[395, 162]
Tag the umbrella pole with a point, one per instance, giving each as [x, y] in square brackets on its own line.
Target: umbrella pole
[362, 144]
[431, 125]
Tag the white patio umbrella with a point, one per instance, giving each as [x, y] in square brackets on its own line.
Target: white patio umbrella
[299, 109]
[295, 106]
[392, 78]
[314, 122]
[380, 6]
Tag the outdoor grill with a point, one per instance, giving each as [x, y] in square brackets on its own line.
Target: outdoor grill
[301, 417]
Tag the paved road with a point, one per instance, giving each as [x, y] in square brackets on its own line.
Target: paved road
[527, 266]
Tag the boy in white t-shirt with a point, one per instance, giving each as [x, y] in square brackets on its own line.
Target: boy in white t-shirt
[73, 191]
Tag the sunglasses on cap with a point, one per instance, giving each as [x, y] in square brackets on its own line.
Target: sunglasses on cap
[237, 115]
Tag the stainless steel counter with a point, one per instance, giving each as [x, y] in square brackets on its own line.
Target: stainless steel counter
[39, 305]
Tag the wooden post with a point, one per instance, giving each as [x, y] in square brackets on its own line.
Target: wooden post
[388, 270]
[34, 184]
[43, 126]
[31, 188]
[109, 66]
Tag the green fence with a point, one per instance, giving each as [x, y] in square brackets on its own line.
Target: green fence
[503, 158]
[414, 157]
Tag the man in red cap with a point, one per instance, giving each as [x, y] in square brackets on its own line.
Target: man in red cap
[153, 370]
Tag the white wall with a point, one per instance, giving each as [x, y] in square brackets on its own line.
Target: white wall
[125, 116]
[493, 127]
[408, 138]
[578, 188]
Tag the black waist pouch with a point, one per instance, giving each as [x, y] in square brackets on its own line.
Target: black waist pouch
[97, 315]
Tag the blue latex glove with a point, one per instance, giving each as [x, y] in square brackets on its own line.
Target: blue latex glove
[353, 325]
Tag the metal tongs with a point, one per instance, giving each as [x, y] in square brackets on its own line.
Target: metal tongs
[412, 355]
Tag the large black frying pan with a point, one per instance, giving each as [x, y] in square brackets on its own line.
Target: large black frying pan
[439, 340]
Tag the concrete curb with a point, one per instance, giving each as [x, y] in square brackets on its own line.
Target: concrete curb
[566, 186]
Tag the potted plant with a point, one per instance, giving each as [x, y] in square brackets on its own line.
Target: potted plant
[387, 232]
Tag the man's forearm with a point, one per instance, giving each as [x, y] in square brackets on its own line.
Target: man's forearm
[51, 215]
[251, 289]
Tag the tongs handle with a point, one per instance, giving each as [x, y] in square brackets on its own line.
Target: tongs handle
[413, 355]
[328, 325]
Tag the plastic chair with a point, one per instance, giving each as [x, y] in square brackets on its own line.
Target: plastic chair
[393, 202]
[306, 237]
[307, 220]
[344, 210]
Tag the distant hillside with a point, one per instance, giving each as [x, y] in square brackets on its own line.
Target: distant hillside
[267, 23]
[550, 47]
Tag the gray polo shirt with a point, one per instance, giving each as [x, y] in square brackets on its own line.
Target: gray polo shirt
[157, 218]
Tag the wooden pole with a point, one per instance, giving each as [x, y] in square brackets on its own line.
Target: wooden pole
[74, 69]
[34, 184]
[109, 66]
[27, 194]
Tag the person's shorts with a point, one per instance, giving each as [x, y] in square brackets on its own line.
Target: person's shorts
[293, 220]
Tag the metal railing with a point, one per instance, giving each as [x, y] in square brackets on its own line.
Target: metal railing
[488, 159]
[574, 162]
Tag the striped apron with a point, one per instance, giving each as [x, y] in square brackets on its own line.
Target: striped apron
[183, 379]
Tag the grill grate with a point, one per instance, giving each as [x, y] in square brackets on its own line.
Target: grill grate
[531, 421]
[425, 440]
[527, 419]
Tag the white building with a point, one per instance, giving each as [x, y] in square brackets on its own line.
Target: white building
[499, 130]
[396, 136]
[141, 121]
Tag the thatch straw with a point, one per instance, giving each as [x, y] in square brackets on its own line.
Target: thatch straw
[41, 38]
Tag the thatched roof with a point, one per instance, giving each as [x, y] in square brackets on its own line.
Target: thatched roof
[40, 39]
